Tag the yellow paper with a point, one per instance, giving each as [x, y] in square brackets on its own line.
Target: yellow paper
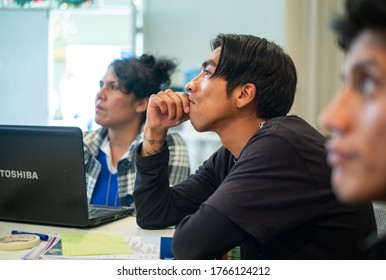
[83, 244]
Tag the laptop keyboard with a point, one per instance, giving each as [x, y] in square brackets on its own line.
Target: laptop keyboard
[97, 212]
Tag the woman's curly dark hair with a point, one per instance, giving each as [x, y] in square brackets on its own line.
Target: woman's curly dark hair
[143, 76]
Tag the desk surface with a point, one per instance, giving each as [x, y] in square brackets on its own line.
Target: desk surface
[126, 227]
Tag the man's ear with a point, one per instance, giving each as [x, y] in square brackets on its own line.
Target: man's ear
[246, 95]
[141, 105]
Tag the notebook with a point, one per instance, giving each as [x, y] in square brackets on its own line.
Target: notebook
[42, 178]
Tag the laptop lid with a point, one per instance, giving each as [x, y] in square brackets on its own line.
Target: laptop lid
[42, 176]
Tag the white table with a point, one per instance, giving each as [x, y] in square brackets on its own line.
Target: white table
[126, 227]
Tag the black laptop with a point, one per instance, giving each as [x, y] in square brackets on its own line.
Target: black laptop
[42, 178]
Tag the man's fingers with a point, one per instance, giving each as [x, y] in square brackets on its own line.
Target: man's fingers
[156, 101]
[185, 101]
[174, 103]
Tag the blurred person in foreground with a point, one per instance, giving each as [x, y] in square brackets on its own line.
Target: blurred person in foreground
[356, 117]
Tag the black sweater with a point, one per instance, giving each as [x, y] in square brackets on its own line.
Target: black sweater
[275, 201]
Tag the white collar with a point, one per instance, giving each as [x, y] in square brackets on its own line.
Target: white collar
[105, 147]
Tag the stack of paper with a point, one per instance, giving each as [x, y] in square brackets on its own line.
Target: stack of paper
[99, 246]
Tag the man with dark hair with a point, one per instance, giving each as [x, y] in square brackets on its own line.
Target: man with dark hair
[356, 117]
[267, 188]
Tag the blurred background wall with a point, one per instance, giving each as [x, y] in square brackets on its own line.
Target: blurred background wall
[52, 57]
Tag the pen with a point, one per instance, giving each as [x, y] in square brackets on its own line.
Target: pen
[43, 237]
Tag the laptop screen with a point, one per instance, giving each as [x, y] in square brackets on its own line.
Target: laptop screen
[42, 177]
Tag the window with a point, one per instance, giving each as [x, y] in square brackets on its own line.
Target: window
[85, 41]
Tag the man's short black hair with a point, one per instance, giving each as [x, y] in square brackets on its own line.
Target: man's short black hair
[250, 59]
